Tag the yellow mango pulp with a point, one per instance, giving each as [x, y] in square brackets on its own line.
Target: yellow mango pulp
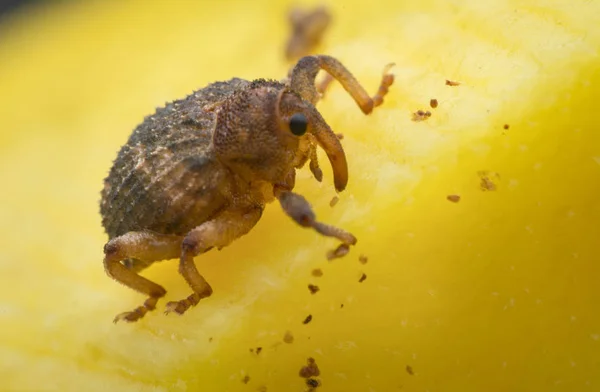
[498, 292]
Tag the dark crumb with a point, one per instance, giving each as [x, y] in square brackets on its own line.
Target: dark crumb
[362, 278]
[312, 383]
[308, 319]
[506, 126]
[420, 115]
[341, 306]
[340, 136]
[363, 259]
[433, 103]
[258, 350]
[210, 339]
[313, 289]
[288, 337]
[453, 198]
[317, 272]
[310, 370]
[246, 379]
[451, 83]
[334, 201]
[409, 370]
[338, 252]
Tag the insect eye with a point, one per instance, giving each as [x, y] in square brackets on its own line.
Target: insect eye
[298, 124]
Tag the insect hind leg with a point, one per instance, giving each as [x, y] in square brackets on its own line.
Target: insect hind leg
[126, 255]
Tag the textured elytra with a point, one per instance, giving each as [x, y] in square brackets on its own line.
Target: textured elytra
[166, 178]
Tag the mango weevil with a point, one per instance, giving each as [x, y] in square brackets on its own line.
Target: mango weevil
[198, 173]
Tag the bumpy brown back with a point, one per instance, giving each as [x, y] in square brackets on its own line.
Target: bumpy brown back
[165, 178]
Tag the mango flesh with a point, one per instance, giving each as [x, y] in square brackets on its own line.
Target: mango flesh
[498, 292]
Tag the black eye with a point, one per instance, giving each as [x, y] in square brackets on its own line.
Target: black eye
[298, 124]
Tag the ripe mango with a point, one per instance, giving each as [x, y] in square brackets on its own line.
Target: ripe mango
[480, 224]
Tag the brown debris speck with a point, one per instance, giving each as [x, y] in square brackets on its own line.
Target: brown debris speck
[409, 370]
[453, 198]
[313, 288]
[334, 201]
[310, 370]
[420, 115]
[362, 278]
[258, 350]
[308, 319]
[338, 252]
[317, 272]
[433, 103]
[506, 126]
[246, 379]
[452, 83]
[340, 136]
[363, 259]
[487, 183]
[312, 383]
[288, 337]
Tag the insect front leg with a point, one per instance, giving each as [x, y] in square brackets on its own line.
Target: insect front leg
[298, 208]
[302, 81]
[146, 247]
[218, 232]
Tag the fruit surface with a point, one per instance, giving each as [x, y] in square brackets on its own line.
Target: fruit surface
[496, 292]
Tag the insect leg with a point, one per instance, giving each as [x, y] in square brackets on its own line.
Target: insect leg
[303, 76]
[300, 211]
[324, 84]
[218, 232]
[144, 246]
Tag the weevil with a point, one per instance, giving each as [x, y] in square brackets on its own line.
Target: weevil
[198, 173]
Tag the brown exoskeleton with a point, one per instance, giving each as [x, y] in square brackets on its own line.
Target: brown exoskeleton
[198, 173]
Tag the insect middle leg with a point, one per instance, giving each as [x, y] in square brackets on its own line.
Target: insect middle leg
[146, 247]
[218, 232]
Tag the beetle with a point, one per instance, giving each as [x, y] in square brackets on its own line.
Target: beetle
[198, 173]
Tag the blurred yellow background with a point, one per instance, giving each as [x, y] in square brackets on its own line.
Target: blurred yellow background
[498, 292]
